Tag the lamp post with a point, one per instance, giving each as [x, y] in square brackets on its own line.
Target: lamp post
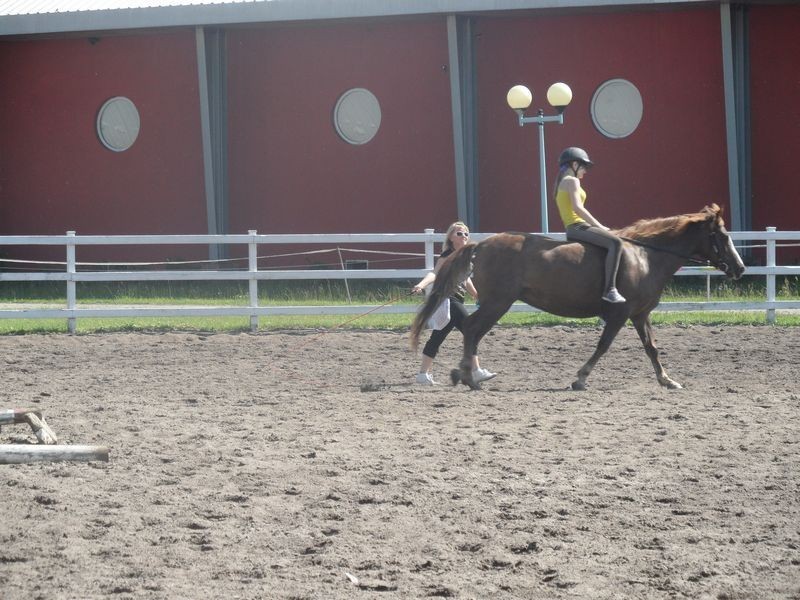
[559, 96]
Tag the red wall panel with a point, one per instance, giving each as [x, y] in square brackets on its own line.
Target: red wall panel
[289, 170]
[55, 175]
[775, 118]
[674, 162]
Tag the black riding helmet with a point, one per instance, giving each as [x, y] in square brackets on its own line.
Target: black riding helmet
[574, 154]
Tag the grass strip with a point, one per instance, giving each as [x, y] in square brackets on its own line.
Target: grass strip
[369, 322]
[328, 293]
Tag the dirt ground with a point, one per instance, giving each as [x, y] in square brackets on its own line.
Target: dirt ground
[297, 465]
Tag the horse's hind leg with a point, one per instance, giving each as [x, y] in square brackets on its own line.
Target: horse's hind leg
[476, 326]
[613, 324]
[644, 328]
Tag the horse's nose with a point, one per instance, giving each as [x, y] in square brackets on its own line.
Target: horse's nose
[736, 271]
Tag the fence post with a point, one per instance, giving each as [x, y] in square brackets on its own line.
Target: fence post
[252, 265]
[771, 276]
[429, 256]
[429, 251]
[71, 321]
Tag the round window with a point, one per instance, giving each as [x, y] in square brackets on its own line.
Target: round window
[118, 124]
[617, 108]
[357, 116]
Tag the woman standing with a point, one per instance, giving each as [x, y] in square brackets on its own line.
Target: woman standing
[579, 223]
[457, 237]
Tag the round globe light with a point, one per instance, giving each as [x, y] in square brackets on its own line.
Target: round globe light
[519, 97]
[559, 95]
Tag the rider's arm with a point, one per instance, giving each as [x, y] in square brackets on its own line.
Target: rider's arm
[573, 187]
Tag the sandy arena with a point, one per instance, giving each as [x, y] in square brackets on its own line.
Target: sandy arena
[296, 465]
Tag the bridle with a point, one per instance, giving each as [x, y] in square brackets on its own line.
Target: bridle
[717, 261]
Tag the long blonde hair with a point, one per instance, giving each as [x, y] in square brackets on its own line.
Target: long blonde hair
[447, 244]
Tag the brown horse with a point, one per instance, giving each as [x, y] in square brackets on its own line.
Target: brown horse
[566, 279]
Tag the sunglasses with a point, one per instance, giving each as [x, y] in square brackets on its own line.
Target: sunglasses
[462, 234]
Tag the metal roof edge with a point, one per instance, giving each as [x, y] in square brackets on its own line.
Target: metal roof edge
[277, 11]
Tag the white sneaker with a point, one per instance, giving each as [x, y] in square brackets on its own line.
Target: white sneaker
[479, 375]
[425, 379]
[614, 296]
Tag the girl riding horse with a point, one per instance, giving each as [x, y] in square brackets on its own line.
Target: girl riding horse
[580, 224]
[565, 279]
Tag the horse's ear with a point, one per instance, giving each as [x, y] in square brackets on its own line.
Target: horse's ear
[714, 211]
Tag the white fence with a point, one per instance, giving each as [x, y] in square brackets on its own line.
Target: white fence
[768, 239]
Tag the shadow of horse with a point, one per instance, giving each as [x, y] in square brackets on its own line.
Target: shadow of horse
[566, 279]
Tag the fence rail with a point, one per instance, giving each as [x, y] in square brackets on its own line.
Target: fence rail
[71, 275]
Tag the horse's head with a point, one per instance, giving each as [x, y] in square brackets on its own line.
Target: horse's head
[717, 246]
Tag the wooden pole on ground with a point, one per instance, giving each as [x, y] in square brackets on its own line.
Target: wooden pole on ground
[21, 453]
[34, 418]
[41, 429]
[16, 415]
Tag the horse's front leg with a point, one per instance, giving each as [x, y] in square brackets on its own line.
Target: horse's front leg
[475, 327]
[613, 324]
[463, 373]
[644, 328]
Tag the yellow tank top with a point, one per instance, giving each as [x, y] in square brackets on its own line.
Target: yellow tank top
[565, 207]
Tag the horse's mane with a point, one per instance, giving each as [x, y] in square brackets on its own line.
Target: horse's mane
[667, 226]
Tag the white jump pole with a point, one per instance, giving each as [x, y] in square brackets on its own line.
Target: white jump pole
[11, 454]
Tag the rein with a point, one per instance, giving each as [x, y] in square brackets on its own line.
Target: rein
[690, 259]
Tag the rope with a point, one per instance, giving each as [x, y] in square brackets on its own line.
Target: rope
[786, 245]
[323, 251]
[209, 261]
[348, 321]
[694, 260]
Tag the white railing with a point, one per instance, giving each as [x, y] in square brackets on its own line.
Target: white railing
[253, 275]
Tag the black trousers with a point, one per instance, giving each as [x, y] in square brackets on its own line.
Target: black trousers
[600, 237]
[457, 315]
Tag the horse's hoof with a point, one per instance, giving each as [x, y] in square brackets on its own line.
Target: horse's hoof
[471, 383]
[455, 376]
[673, 385]
[578, 386]
[468, 380]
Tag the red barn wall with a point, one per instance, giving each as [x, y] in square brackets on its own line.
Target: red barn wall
[674, 162]
[775, 117]
[289, 170]
[55, 174]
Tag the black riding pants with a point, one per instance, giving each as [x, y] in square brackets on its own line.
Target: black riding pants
[457, 315]
[581, 232]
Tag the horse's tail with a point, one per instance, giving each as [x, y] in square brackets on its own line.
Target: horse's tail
[455, 269]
